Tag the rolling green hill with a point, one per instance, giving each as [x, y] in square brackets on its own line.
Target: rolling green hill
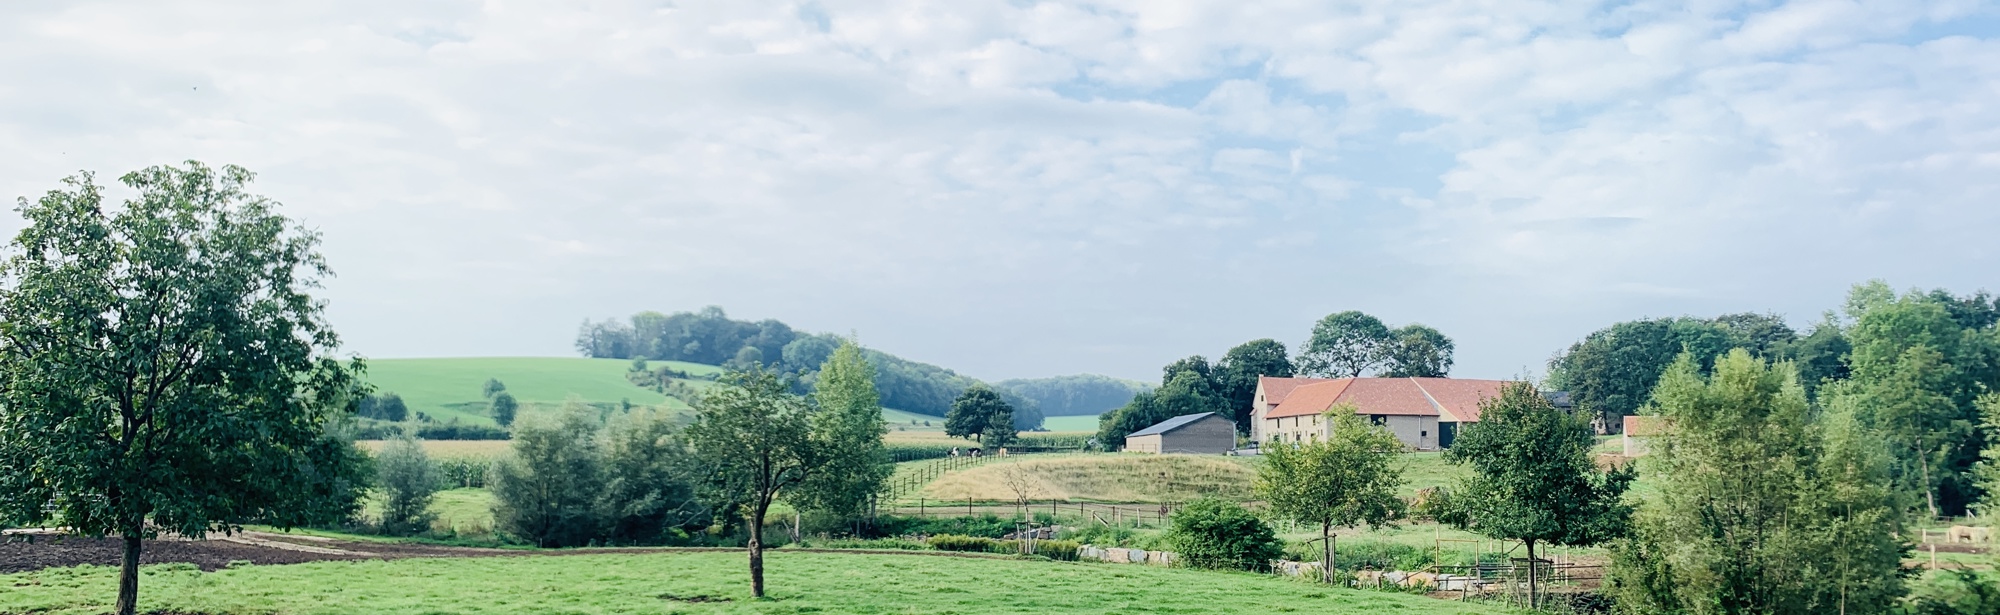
[450, 388]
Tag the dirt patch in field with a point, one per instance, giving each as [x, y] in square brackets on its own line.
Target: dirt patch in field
[18, 553]
[22, 554]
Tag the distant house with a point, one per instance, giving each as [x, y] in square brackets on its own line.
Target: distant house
[1207, 433]
[1639, 434]
[1425, 413]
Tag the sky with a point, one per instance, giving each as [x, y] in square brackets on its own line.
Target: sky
[1017, 188]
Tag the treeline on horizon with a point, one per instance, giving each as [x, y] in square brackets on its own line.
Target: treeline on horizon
[710, 337]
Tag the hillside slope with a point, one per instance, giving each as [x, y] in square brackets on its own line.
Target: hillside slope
[450, 388]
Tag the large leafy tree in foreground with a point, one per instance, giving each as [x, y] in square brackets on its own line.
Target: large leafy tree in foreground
[1534, 478]
[1347, 480]
[849, 420]
[756, 439]
[163, 368]
[1762, 507]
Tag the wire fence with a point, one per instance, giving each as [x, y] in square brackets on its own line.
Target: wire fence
[1130, 514]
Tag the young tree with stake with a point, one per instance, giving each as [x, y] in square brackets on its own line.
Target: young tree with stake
[756, 438]
[1346, 480]
[1535, 480]
[163, 368]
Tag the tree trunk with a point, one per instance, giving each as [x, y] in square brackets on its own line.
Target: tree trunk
[1930, 490]
[1531, 574]
[757, 553]
[128, 576]
[1326, 552]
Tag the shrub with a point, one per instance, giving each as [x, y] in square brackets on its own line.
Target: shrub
[547, 487]
[456, 431]
[408, 481]
[647, 490]
[1064, 550]
[975, 544]
[1213, 533]
[987, 526]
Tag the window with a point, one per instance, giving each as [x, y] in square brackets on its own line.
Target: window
[1423, 434]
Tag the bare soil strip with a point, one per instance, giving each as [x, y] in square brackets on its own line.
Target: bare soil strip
[20, 554]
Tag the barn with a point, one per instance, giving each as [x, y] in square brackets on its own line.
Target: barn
[1207, 433]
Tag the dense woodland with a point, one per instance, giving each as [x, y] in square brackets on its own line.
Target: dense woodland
[711, 337]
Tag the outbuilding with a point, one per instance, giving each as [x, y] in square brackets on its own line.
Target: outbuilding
[1207, 433]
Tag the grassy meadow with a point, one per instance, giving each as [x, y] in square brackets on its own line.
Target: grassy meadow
[699, 583]
[451, 388]
[1072, 424]
[1103, 478]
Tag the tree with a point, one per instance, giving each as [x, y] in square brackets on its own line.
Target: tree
[1916, 371]
[1075, 395]
[1343, 345]
[1987, 471]
[503, 408]
[546, 487]
[390, 407]
[849, 420]
[1416, 351]
[1000, 429]
[1238, 371]
[1186, 393]
[408, 481]
[1220, 534]
[648, 480]
[1347, 480]
[493, 387]
[756, 438]
[163, 367]
[1612, 371]
[747, 357]
[971, 416]
[1535, 479]
[1761, 508]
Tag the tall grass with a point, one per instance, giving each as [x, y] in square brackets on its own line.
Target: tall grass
[1102, 478]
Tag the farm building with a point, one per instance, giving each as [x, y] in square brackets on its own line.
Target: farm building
[1207, 433]
[1424, 413]
[1639, 433]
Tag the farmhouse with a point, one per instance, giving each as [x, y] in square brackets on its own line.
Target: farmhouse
[1207, 433]
[1639, 433]
[1424, 413]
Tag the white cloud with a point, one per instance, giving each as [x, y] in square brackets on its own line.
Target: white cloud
[1022, 188]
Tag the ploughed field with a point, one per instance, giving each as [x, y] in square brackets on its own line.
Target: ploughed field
[678, 581]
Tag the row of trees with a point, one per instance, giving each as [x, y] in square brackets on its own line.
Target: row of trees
[711, 337]
[1912, 365]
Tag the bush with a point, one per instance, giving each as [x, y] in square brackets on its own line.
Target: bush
[1368, 555]
[1064, 550]
[408, 481]
[987, 526]
[456, 431]
[974, 544]
[647, 491]
[547, 487]
[1955, 592]
[1213, 533]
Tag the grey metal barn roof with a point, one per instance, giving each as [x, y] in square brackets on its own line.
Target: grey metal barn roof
[1170, 424]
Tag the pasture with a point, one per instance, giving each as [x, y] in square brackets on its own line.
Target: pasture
[451, 388]
[1102, 478]
[699, 583]
[1073, 424]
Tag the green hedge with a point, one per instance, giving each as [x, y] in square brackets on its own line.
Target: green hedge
[1053, 549]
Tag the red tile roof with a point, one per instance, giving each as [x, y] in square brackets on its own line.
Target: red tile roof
[1313, 398]
[1460, 398]
[1277, 389]
[1446, 398]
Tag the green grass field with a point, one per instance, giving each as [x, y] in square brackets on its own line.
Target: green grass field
[449, 389]
[692, 583]
[1070, 423]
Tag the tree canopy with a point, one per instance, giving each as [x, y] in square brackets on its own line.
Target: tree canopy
[756, 439]
[1534, 477]
[1347, 480]
[1351, 343]
[848, 419]
[164, 367]
[1763, 508]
